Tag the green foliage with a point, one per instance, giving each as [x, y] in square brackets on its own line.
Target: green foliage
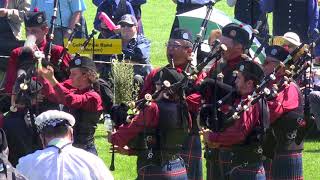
[122, 79]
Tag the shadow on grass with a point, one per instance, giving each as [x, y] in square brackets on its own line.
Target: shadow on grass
[103, 136]
[312, 151]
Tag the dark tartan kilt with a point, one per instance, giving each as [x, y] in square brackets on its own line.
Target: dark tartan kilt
[286, 166]
[231, 171]
[172, 170]
[212, 164]
[192, 156]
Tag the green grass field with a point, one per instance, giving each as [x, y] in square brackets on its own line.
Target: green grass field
[157, 17]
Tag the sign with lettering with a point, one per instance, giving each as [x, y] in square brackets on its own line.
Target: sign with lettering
[101, 46]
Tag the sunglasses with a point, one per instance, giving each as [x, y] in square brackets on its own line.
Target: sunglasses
[127, 25]
[175, 46]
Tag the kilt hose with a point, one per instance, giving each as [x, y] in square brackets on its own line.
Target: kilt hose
[172, 170]
[232, 171]
[285, 166]
[212, 164]
[192, 156]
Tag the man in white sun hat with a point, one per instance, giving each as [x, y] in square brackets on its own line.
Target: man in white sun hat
[59, 159]
[292, 38]
[289, 40]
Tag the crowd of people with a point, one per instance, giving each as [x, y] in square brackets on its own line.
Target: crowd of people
[252, 115]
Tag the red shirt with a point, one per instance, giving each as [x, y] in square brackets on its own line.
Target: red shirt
[241, 128]
[287, 100]
[232, 63]
[147, 118]
[63, 93]
[13, 63]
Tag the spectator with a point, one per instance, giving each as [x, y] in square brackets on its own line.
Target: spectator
[135, 48]
[11, 18]
[59, 159]
[69, 13]
[300, 17]
[136, 5]
[114, 9]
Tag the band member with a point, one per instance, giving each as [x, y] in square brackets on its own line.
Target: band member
[286, 116]
[179, 52]
[79, 95]
[157, 133]
[22, 136]
[236, 39]
[239, 144]
[135, 49]
[36, 25]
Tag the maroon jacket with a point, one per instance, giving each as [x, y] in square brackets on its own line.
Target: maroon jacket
[13, 63]
[287, 100]
[63, 93]
[242, 127]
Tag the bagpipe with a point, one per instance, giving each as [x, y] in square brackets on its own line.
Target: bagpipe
[263, 91]
[86, 42]
[26, 87]
[203, 28]
[293, 71]
[51, 30]
[66, 48]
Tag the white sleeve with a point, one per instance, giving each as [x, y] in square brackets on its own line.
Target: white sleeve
[103, 173]
[23, 167]
[231, 2]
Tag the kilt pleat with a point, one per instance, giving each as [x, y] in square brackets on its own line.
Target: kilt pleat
[192, 156]
[172, 170]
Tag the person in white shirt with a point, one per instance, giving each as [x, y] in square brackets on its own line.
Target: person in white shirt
[59, 159]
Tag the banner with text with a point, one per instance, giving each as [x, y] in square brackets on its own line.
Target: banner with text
[101, 46]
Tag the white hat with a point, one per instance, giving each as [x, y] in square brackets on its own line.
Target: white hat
[292, 38]
[53, 118]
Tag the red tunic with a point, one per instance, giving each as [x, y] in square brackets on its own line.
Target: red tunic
[63, 93]
[147, 118]
[241, 128]
[13, 63]
[287, 100]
